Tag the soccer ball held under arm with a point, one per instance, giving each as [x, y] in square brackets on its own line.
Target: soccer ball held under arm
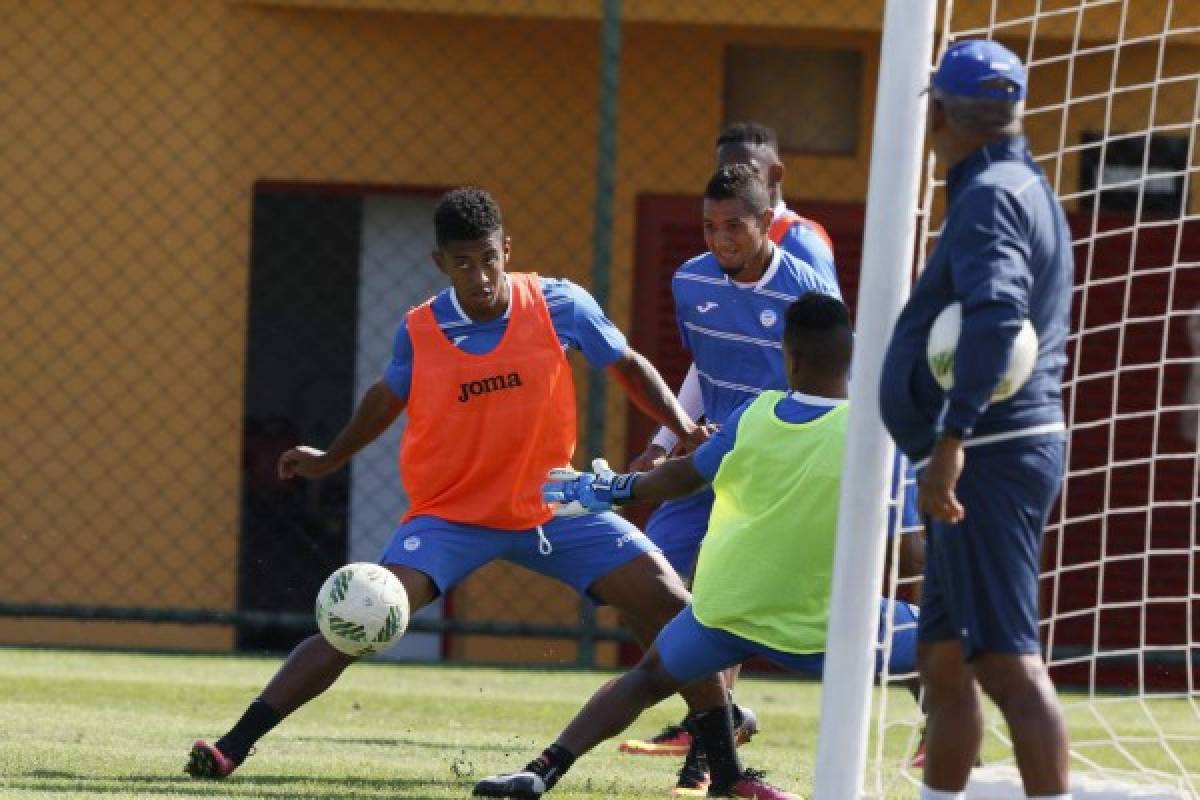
[943, 342]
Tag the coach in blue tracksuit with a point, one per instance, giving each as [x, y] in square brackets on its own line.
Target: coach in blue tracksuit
[989, 472]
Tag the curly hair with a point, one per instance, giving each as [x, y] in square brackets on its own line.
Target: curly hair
[466, 214]
[742, 182]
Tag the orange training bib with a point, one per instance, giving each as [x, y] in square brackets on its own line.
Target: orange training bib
[483, 430]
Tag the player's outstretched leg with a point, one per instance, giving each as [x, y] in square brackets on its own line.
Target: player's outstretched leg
[619, 702]
[613, 708]
[649, 594]
[610, 710]
[312, 667]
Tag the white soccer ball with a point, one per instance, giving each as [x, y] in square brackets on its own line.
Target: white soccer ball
[943, 341]
[362, 609]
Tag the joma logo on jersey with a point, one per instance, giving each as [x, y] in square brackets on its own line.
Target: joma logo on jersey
[493, 384]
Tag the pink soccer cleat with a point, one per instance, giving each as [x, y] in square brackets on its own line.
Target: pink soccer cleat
[206, 762]
[752, 785]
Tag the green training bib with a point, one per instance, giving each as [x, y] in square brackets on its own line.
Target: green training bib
[766, 563]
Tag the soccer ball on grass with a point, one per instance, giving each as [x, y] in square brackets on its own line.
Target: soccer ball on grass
[362, 609]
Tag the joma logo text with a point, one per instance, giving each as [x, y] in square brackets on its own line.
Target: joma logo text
[493, 384]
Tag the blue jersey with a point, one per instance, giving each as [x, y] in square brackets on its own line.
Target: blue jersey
[795, 408]
[734, 331]
[577, 319]
[1005, 254]
[804, 242]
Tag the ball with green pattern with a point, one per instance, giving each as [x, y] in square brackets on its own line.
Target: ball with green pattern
[943, 346]
[362, 609]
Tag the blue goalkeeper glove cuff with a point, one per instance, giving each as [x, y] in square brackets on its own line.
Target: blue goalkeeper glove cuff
[588, 492]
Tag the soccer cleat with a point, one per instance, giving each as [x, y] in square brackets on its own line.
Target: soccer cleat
[206, 762]
[752, 785]
[693, 781]
[524, 785]
[676, 740]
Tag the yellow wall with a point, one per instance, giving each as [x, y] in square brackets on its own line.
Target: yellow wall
[124, 288]
[860, 15]
[134, 133]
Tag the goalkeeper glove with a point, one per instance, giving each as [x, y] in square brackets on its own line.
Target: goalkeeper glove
[572, 493]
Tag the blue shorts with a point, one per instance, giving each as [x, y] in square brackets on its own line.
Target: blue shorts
[690, 650]
[583, 549]
[678, 527]
[981, 575]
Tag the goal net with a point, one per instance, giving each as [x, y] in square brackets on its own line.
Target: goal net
[1112, 115]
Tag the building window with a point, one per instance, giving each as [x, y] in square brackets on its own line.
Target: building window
[1158, 180]
[812, 98]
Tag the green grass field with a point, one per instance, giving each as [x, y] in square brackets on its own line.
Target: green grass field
[83, 724]
[116, 725]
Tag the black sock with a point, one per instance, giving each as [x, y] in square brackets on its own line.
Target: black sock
[552, 764]
[695, 761]
[254, 724]
[714, 729]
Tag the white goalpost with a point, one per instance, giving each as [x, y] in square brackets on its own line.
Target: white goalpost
[1112, 117]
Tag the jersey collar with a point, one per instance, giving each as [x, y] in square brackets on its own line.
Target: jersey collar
[768, 273]
[462, 315]
[772, 268]
[1008, 148]
[816, 400]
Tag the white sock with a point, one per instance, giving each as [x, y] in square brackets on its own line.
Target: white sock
[934, 794]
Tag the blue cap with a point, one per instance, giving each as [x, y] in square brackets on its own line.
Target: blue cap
[980, 68]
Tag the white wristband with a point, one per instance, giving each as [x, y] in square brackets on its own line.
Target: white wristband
[665, 439]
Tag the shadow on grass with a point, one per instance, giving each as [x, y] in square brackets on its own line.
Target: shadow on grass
[301, 786]
[515, 747]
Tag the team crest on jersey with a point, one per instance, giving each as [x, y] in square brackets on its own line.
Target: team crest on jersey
[768, 318]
